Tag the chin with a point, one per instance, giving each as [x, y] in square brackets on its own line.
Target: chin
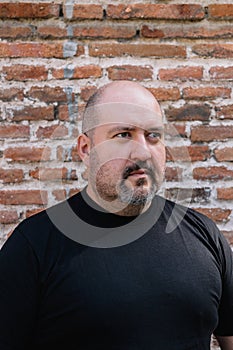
[137, 195]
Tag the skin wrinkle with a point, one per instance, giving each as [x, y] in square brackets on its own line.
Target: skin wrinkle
[93, 114]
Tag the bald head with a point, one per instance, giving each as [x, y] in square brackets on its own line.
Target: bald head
[126, 91]
[117, 92]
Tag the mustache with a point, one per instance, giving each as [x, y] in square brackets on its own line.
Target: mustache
[137, 166]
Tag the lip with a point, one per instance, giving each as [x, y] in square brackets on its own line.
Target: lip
[138, 173]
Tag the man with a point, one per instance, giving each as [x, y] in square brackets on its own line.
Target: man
[102, 270]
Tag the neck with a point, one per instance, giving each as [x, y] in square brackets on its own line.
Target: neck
[116, 206]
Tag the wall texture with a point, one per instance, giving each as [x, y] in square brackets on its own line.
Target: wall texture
[53, 55]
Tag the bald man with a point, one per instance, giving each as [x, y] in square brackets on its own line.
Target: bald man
[117, 266]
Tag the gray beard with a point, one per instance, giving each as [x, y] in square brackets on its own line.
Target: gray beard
[136, 196]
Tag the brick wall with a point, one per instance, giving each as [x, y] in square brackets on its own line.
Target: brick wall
[53, 55]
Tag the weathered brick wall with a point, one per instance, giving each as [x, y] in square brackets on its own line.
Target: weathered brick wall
[53, 55]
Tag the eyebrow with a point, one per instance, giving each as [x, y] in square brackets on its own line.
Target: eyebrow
[132, 128]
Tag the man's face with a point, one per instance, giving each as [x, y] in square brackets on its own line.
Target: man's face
[127, 158]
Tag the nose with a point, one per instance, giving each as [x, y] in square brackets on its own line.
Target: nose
[140, 150]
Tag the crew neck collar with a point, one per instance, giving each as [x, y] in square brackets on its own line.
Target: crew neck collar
[91, 212]
[86, 223]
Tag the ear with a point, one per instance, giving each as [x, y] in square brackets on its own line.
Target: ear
[83, 148]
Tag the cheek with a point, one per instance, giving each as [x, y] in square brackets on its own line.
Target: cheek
[111, 168]
[116, 165]
[160, 151]
[109, 151]
[159, 157]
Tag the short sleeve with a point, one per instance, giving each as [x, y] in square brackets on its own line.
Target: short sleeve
[225, 324]
[18, 292]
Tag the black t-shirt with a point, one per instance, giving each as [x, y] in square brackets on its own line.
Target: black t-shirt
[168, 288]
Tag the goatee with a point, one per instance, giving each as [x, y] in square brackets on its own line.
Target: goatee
[139, 195]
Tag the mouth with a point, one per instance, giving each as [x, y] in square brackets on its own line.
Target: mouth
[138, 173]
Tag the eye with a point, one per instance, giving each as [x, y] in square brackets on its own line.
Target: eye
[123, 135]
[154, 136]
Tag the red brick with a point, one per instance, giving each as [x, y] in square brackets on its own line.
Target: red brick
[22, 72]
[68, 154]
[81, 108]
[175, 130]
[158, 11]
[208, 133]
[49, 174]
[128, 72]
[173, 174]
[158, 32]
[29, 10]
[27, 154]
[63, 113]
[214, 50]
[14, 131]
[58, 73]
[189, 112]
[59, 195]
[8, 216]
[75, 132]
[48, 94]
[220, 11]
[143, 50]
[84, 11]
[224, 154]
[51, 31]
[191, 195]
[53, 132]
[215, 214]
[74, 155]
[73, 175]
[83, 72]
[165, 94]
[207, 92]
[23, 197]
[30, 49]
[101, 31]
[14, 31]
[229, 236]
[189, 32]
[181, 73]
[213, 173]
[31, 113]
[11, 94]
[225, 193]
[199, 153]
[221, 73]
[224, 112]
[190, 153]
[37, 50]
[11, 175]
[87, 91]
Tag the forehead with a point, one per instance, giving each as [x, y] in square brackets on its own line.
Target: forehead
[108, 114]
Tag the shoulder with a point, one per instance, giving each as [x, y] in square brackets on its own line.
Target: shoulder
[198, 230]
[185, 218]
[41, 228]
